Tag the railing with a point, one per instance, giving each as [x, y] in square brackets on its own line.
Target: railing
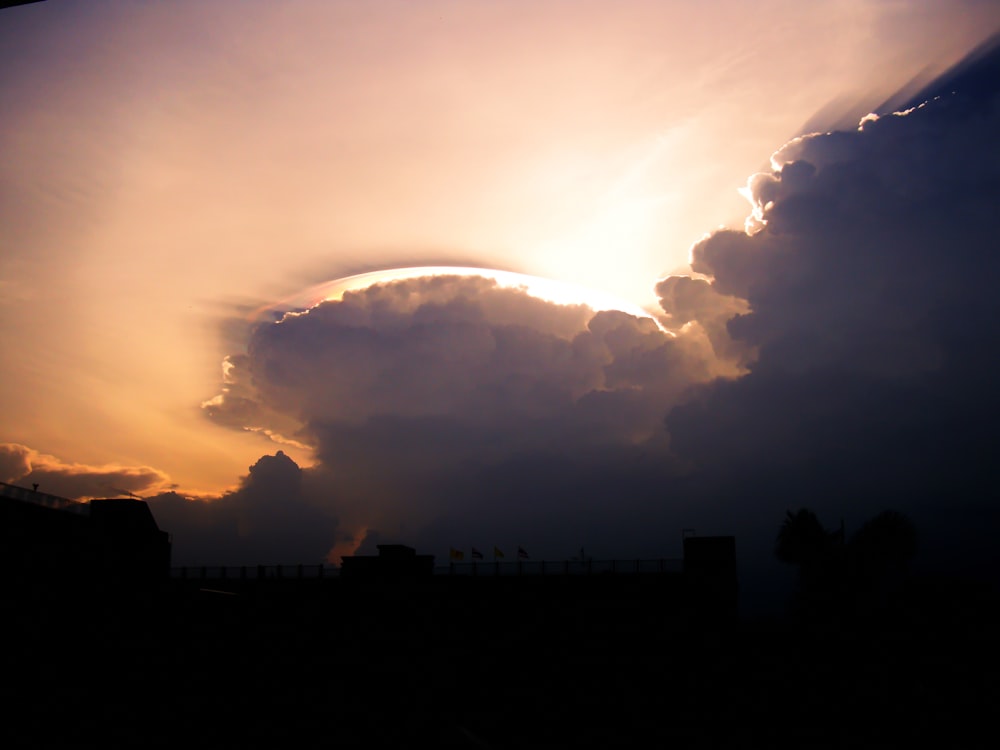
[560, 567]
[474, 568]
[42, 498]
[253, 572]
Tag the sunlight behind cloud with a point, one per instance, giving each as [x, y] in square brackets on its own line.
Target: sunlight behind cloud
[550, 290]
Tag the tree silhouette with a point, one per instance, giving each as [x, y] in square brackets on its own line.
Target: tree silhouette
[879, 553]
[802, 540]
[888, 541]
[837, 577]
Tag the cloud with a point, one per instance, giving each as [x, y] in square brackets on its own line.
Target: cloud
[15, 461]
[21, 464]
[839, 354]
[422, 396]
[272, 518]
[698, 304]
[869, 276]
[874, 255]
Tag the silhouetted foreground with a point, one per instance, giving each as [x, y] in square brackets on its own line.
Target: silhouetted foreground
[533, 661]
[493, 662]
[49, 544]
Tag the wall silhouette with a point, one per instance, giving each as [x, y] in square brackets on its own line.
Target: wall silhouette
[50, 543]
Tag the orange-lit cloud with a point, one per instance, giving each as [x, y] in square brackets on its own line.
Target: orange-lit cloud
[21, 464]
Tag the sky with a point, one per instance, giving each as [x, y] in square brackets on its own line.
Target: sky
[177, 180]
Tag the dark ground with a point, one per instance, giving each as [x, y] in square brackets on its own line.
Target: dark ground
[481, 664]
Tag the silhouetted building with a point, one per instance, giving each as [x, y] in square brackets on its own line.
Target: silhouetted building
[47, 540]
[126, 542]
[392, 562]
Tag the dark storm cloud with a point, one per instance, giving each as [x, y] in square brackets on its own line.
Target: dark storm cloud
[271, 519]
[25, 466]
[871, 282]
[974, 79]
[877, 252]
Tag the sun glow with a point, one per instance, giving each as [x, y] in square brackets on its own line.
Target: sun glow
[606, 214]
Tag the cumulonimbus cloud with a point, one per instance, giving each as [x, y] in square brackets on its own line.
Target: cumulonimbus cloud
[272, 518]
[838, 353]
[869, 274]
[413, 393]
